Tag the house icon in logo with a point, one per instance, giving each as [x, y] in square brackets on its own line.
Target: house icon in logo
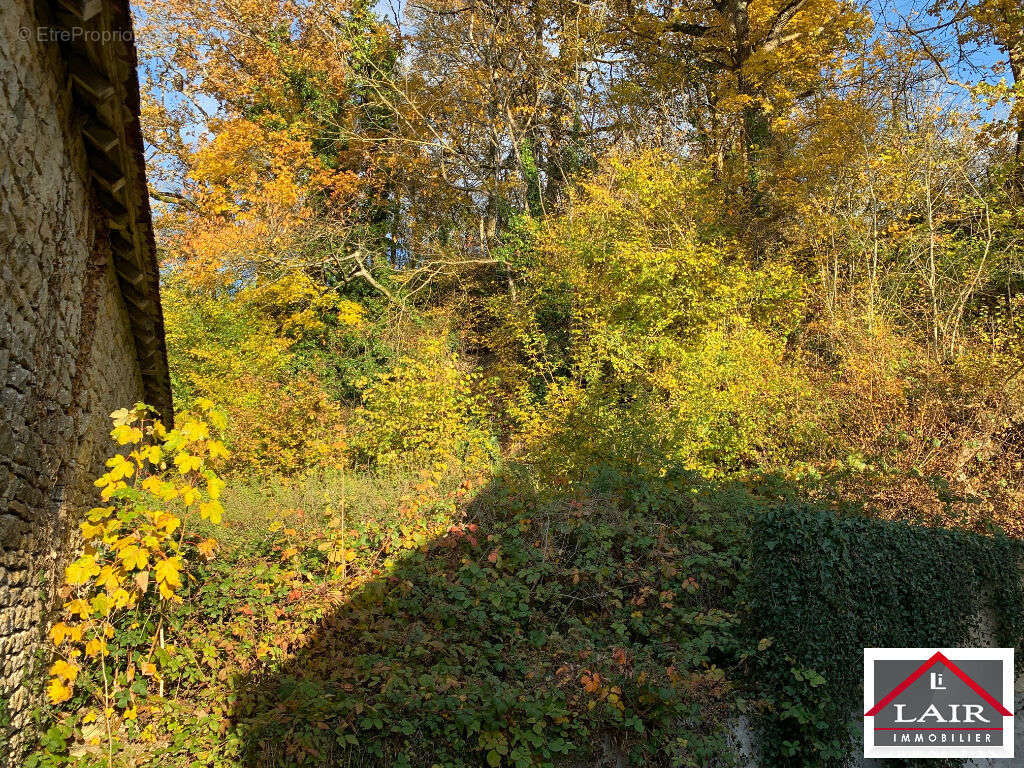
[946, 703]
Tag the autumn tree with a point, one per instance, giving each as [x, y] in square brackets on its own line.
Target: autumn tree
[504, 101]
[988, 24]
[265, 137]
[742, 64]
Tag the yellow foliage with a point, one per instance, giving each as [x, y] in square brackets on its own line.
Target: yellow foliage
[58, 691]
[422, 413]
[64, 671]
[673, 353]
[121, 540]
[235, 350]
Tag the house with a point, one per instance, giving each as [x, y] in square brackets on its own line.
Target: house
[81, 330]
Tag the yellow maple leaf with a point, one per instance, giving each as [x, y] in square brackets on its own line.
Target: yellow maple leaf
[167, 591]
[79, 607]
[207, 547]
[186, 462]
[217, 450]
[153, 484]
[96, 514]
[111, 489]
[101, 604]
[122, 416]
[169, 523]
[57, 691]
[195, 430]
[95, 647]
[133, 557]
[124, 434]
[59, 632]
[80, 571]
[122, 598]
[169, 571]
[64, 671]
[218, 419]
[120, 468]
[212, 511]
[108, 578]
[214, 485]
[90, 531]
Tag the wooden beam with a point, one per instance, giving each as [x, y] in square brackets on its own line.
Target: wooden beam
[122, 243]
[139, 300]
[89, 81]
[100, 135]
[106, 172]
[149, 359]
[146, 335]
[83, 9]
[145, 332]
[144, 328]
[129, 272]
[117, 214]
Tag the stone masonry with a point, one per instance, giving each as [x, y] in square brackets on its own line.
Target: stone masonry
[80, 327]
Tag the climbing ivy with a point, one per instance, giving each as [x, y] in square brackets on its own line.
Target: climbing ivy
[823, 587]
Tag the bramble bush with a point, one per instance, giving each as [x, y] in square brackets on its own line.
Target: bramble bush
[536, 630]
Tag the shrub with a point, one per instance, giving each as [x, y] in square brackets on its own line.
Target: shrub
[650, 337]
[421, 413]
[229, 347]
[116, 593]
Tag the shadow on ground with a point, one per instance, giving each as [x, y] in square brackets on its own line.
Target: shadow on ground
[584, 631]
[609, 627]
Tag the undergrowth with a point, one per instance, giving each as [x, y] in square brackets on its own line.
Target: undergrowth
[428, 619]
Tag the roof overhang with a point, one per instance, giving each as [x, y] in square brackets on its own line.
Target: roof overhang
[98, 48]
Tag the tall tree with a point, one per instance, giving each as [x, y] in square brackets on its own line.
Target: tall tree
[263, 134]
[744, 63]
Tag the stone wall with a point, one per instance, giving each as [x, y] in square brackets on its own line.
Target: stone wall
[69, 343]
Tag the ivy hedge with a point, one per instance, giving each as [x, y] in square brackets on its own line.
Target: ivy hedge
[823, 586]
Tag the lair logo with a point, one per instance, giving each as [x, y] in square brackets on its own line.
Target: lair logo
[949, 702]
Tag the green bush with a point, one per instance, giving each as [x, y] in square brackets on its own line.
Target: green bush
[588, 630]
[822, 587]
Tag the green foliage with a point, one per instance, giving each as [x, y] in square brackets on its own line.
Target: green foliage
[629, 622]
[537, 631]
[541, 632]
[237, 348]
[823, 587]
[5, 724]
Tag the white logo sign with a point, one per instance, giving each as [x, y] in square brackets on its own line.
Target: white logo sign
[938, 702]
